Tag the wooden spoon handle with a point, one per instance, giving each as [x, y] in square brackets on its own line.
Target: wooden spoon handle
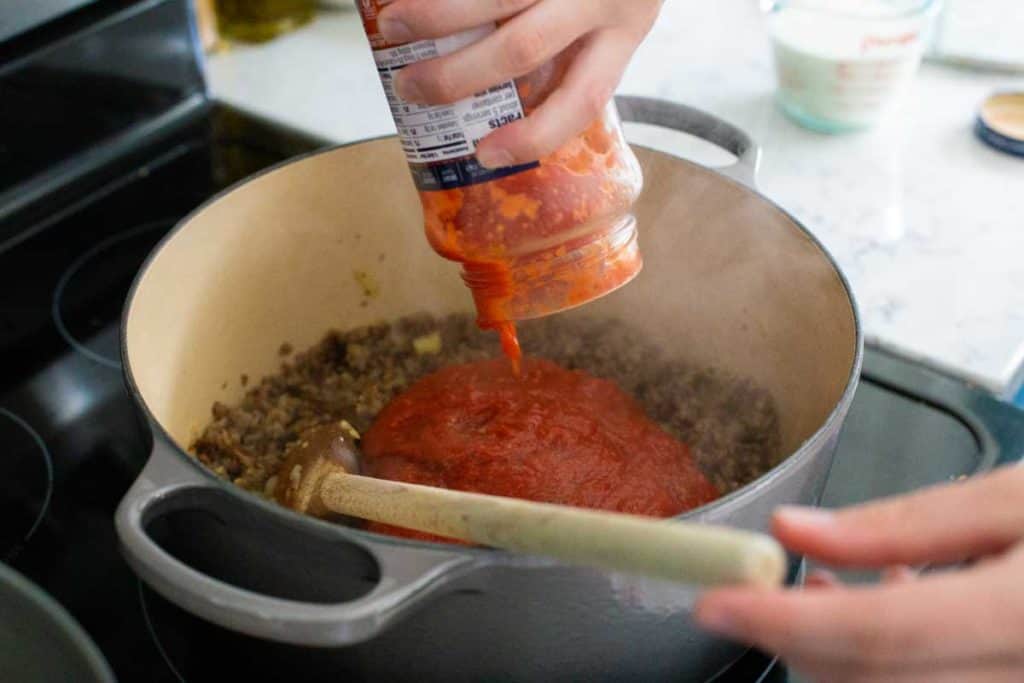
[662, 548]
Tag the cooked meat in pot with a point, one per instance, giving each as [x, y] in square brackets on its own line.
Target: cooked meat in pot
[730, 425]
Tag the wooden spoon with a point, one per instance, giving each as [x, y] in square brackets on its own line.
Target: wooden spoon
[316, 479]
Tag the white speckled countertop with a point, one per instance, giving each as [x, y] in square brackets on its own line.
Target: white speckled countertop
[926, 221]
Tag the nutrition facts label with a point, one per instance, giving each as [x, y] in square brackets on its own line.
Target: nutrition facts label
[438, 133]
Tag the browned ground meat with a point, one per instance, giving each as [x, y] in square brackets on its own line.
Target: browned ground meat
[731, 425]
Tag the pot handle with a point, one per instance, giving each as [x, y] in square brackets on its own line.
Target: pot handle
[701, 124]
[407, 575]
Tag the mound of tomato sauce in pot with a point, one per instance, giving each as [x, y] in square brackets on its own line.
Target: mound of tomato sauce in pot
[550, 435]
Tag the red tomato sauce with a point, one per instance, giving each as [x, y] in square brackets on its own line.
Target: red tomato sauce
[553, 224]
[550, 435]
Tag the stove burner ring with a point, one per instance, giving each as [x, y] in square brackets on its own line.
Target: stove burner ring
[24, 427]
[62, 285]
[151, 626]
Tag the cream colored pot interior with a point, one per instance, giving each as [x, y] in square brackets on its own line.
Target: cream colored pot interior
[335, 241]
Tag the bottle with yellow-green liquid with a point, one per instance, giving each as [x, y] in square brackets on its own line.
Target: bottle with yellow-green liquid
[255, 21]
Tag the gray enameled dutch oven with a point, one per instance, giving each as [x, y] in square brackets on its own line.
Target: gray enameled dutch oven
[730, 281]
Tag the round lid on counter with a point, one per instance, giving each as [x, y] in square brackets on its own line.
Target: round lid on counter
[1000, 122]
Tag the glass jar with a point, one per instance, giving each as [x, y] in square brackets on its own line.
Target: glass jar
[842, 64]
[257, 21]
[532, 239]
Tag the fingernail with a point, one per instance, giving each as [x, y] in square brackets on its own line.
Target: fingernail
[394, 30]
[898, 574]
[409, 90]
[716, 620]
[821, 578]
[805, 516]
[494, 158]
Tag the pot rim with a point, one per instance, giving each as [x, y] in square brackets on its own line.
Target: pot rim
[47, 606]
[731, 500]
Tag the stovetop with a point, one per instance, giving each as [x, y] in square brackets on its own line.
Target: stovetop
[70, 435]
[73, 442]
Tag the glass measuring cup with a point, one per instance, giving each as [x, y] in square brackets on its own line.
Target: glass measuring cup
[841, 64]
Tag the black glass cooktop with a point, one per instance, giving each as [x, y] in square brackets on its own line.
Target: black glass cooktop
[70, 438]
[72, 442]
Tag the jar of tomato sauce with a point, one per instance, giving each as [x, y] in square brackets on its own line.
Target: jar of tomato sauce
[532, 239]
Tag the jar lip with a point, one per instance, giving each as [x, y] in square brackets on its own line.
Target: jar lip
[907, 9]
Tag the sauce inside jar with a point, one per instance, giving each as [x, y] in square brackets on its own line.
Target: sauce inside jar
[532, 239]
[546, 239]
[549, 435]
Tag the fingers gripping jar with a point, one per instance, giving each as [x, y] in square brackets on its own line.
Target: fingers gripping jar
[533, 239]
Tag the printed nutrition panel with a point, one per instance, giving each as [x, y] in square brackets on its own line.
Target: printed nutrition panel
[439, 133]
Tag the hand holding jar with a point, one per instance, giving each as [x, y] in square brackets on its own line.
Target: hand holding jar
[503, 108]
[591, 41]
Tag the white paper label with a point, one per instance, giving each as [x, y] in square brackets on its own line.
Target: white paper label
[439, 133]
